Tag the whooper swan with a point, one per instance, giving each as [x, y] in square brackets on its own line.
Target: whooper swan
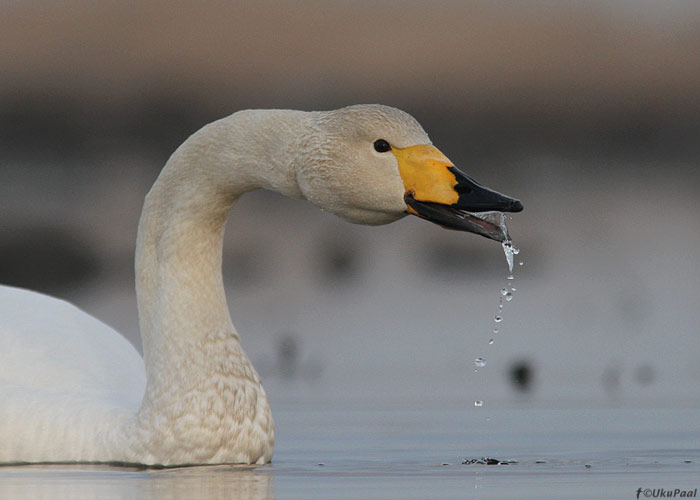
[74, 390]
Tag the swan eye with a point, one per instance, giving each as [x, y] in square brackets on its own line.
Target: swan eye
[381, 146]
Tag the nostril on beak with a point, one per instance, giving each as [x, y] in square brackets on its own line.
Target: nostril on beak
[462, 189]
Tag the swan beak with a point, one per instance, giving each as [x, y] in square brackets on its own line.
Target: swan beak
[439, 192]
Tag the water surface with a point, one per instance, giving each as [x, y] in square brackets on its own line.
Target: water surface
[417, 454]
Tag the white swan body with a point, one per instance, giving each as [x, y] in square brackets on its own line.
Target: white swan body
[74, 390]
[62, 375]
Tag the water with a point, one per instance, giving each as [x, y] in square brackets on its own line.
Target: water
[506, 292]
[369, 451]
[510, 250]
[375, 453]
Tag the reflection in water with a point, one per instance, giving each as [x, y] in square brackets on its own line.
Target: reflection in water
[84, 481]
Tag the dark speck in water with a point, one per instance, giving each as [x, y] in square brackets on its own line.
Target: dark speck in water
[644, 374]
[288, 355]
[487, 461]
[522, 375]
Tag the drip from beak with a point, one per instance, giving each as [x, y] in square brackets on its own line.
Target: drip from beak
[440, 193]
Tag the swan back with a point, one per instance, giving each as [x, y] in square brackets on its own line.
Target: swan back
[51, 346]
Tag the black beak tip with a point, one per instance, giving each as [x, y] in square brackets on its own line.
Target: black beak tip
[515, 206]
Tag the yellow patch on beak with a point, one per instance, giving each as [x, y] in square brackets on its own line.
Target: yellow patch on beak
[424, 172]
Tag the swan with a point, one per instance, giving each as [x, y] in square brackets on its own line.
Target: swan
[73, 390]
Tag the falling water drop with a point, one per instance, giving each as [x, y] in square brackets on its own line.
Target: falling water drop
[506, 293]
[509, 249]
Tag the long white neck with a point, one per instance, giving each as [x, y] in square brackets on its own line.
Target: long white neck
[191, 349]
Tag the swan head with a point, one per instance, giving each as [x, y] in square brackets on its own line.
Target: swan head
[373, 164]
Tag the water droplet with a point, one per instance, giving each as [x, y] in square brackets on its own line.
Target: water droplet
[488, 419]
[497, 318]
[510, 277]
[509, 296]
[480, 362]
[520, 263]
[508, 250]
[491, 342]
[478, 403]
[513, 289]
[504, 291]
[495, 330]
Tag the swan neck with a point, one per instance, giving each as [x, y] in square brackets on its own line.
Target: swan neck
[180, 292]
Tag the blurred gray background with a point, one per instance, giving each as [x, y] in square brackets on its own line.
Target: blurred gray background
[588, 111]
